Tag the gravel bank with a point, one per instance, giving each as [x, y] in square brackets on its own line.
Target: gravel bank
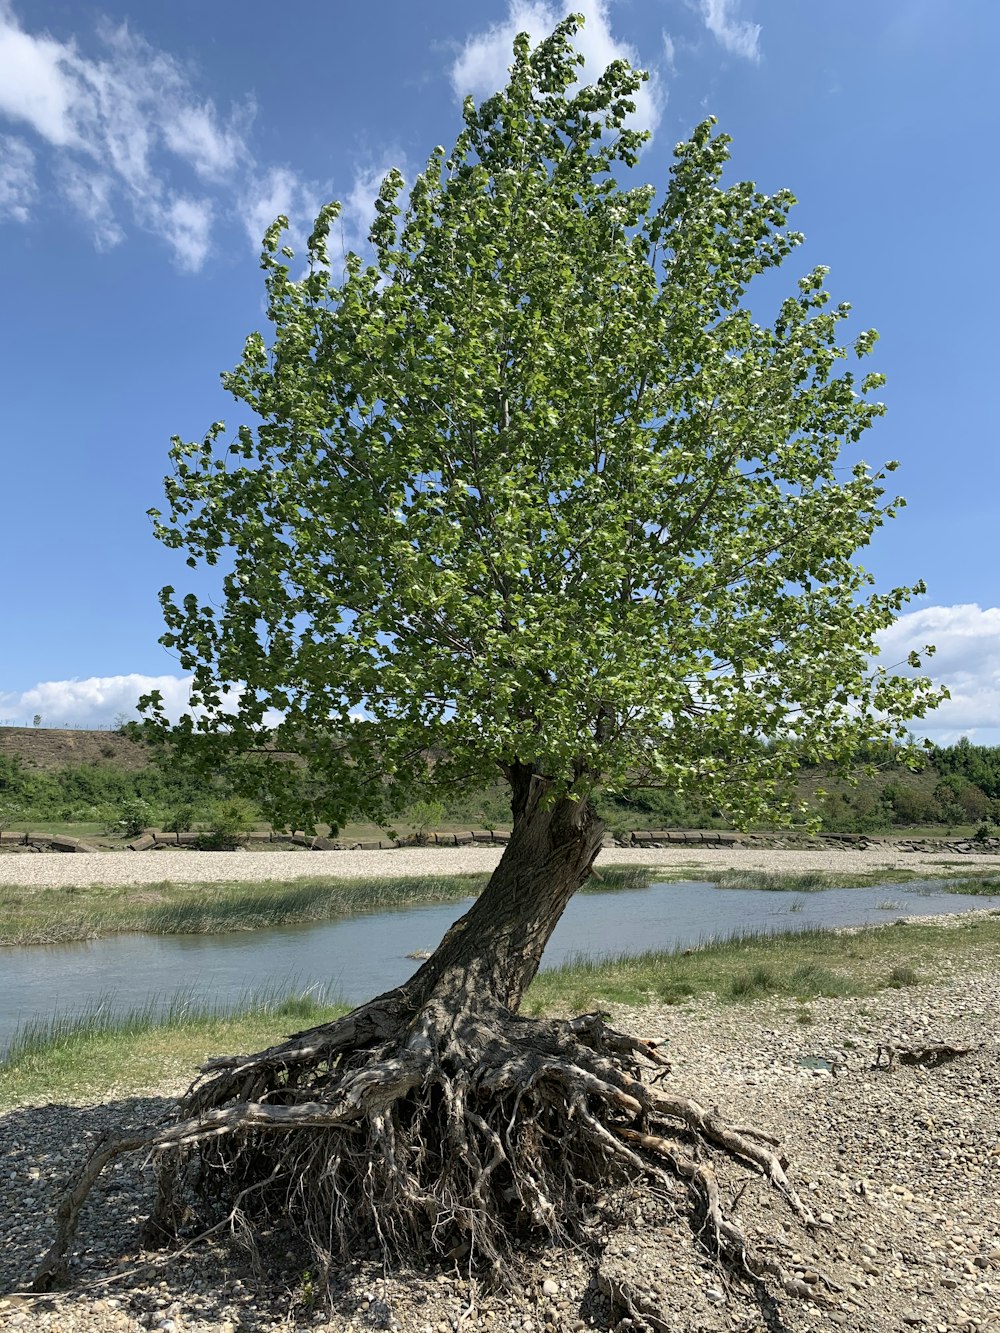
[901, 1164]
[61, 869]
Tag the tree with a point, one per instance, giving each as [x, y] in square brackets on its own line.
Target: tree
[532, 492]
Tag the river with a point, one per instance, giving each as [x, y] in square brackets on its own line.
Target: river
[360, 956]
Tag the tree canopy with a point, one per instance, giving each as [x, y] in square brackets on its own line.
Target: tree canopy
[531, 485]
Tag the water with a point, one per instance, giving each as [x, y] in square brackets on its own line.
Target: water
[367, 954]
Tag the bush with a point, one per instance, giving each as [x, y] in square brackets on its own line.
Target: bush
[180, 819]
[422, 815]
[227, 824]
[903, 975]
[127, 819]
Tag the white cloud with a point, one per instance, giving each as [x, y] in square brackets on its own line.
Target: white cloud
[99, 700]
[738, 36]
[118, 125]
[481, 68]
[276, 192]
[34, 82]
[359, 203]
[194, 134]
[92, 195]
[669, 52]
[186, 224]
[967, 661]
[17, 179]
[93, 702]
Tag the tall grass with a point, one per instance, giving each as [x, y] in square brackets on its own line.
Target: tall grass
[54, 916]
[183, 1008]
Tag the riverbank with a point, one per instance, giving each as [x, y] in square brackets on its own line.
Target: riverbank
[59, 869]
[902, 1164]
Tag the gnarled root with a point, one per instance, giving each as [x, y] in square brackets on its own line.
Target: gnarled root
[459, 1133]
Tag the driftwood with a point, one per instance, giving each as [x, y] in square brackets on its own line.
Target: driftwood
[928, 1053]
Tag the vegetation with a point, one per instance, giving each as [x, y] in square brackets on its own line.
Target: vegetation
[57, 915]
[83, 1055]
[800, 965]
[953, 791]
[30, 915]
[534, 490]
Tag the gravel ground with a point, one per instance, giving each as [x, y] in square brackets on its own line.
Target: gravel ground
[901, 1164]
[58, 869]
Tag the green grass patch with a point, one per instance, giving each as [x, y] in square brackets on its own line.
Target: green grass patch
[987, 886]
[806, 965]
[808, 881]
[903, 975]
[103, 1046]
[59, 915]
[616, 879]
[32, 915]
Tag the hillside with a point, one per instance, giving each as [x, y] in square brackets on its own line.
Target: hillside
[49, 748]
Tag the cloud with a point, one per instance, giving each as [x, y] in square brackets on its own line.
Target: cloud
[669, 52]
[34, 86]
[275, 192]
[194, 133]
[93, 702]
[17, 179]
[91, 195]
[738, 36]
[131, 142]
[359, 202]
[99, 700]
[186, 225]
[118, 127]
[967, 661]
[481, 67]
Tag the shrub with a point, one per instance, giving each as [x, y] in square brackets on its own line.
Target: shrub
[126, 819]
[422, 815]
[227, 825]
[180, 819]
[760, 980]
[903, 975]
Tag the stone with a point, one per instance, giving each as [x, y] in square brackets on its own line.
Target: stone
[550, 1287]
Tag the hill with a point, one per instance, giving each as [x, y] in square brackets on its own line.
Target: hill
[49, 748]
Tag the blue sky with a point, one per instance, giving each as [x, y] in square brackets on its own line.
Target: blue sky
[144, 148]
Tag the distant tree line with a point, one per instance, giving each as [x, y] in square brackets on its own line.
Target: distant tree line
[959, 786]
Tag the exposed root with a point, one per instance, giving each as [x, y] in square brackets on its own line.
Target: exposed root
[457, 1134]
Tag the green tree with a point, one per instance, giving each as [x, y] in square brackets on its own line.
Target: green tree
[534, 491]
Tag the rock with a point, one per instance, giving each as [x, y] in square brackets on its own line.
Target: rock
[550, 1287]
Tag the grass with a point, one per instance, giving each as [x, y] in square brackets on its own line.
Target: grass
[808, 881]
[83, 1055]
[806, 965]
[58, 915]
[103, 1052]
[950, 877]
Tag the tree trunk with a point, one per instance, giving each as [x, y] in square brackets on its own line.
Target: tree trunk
[492, 953]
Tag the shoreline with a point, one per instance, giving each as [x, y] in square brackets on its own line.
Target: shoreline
[64, 870]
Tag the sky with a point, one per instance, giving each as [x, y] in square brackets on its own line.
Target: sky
[144, 149]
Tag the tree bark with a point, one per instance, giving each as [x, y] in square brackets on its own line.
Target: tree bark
[492, 953]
